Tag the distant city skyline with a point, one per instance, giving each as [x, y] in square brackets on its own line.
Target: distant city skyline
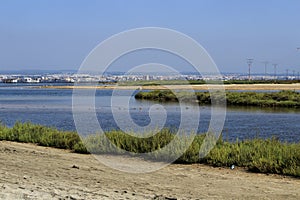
[58, 35]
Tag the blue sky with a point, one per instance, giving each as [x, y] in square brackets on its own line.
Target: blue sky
[59, 34]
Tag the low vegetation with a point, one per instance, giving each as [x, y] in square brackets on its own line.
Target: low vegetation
[257, 155]
[261, 81]
[290, 99]
[201, 82]
[41, 135]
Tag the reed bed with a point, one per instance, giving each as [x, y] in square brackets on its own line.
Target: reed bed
[256, 155]
[288, 99]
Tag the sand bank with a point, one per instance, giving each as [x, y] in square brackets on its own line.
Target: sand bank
[33, 172]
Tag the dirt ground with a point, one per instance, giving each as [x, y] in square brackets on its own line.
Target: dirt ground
[32, 172]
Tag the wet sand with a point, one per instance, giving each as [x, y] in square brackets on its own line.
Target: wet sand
[185, 87]
[32, 172]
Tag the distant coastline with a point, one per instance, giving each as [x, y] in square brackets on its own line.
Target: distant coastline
[295, 86]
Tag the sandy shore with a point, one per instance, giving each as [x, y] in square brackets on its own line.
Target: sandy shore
[195, 87]
[33, 172]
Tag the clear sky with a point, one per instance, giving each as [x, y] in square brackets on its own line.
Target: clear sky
[58, 34]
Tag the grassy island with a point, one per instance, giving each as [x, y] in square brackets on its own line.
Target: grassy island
[257, 155]
[290, 99]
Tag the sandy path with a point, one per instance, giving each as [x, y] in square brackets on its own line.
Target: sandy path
[32, 172]
[195, 87]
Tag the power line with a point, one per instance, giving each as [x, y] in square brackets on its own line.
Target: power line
[275, 71]
[249, 62]
[266, 64]
[294, 74]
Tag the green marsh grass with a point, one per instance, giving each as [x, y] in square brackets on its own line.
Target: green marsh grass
[288, 99]
[256, 155]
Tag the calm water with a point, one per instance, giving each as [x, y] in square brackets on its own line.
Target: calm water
[53, 107]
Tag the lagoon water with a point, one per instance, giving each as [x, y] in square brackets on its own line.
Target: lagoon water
[53, 107]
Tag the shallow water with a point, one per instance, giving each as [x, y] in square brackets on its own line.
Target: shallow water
[53, 107]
